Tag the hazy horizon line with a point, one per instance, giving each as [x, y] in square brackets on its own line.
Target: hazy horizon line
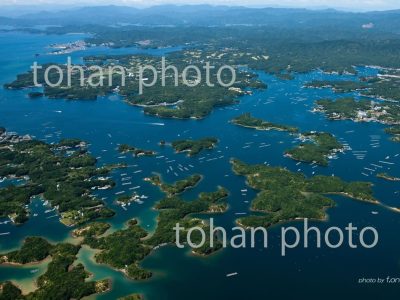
[62, 7]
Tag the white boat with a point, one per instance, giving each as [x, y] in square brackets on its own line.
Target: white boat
[232, 274]
[386, 162]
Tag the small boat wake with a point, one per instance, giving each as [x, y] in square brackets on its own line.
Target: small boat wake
[150, 123]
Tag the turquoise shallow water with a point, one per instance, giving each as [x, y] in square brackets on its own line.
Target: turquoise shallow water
[263, 273]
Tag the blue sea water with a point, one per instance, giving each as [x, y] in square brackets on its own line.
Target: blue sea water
[311, 273]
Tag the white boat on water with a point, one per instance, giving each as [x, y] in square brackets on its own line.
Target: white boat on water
[232, 274]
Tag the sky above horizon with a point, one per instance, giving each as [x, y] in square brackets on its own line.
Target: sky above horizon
[360, 5]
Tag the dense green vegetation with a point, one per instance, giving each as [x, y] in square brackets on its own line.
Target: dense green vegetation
[321, 147]
[132, 297]
[123, 250]
[176, 187]
[62, 280]
[77, 89]
[339, 86]
[360, 110]
[124, 148]
[8, 291]
[384, 86]
[174, 210]
[194, 147]
[173, 99]
[63, 173]
[335, 47]
[292, 47]
[247, 120]
[34, 249]
[286, 196]
[387, 176]
[363, 110]
[125, 199]
[126, 248]
[91, 229]
[343, 108]
[35, 95]
[395, 132]
[290, 50]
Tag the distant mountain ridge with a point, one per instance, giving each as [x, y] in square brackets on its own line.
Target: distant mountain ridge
[205, 15]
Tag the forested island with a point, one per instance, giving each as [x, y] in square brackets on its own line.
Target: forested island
[383, 86]
[339, 86]
[175, 210]
[132, 297]
[320, 147]
[63, 174]
[77, 90]
[125, 148]
[177, 187]
[285, 196]
[173, 99]
[395, 132]
[247, 120]
[194, 147]
[126, 199]
[362, 110]
[126, 248]
[91, 229]
[316, 147]
[64, 279]
[123, 249]
[388, 177]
